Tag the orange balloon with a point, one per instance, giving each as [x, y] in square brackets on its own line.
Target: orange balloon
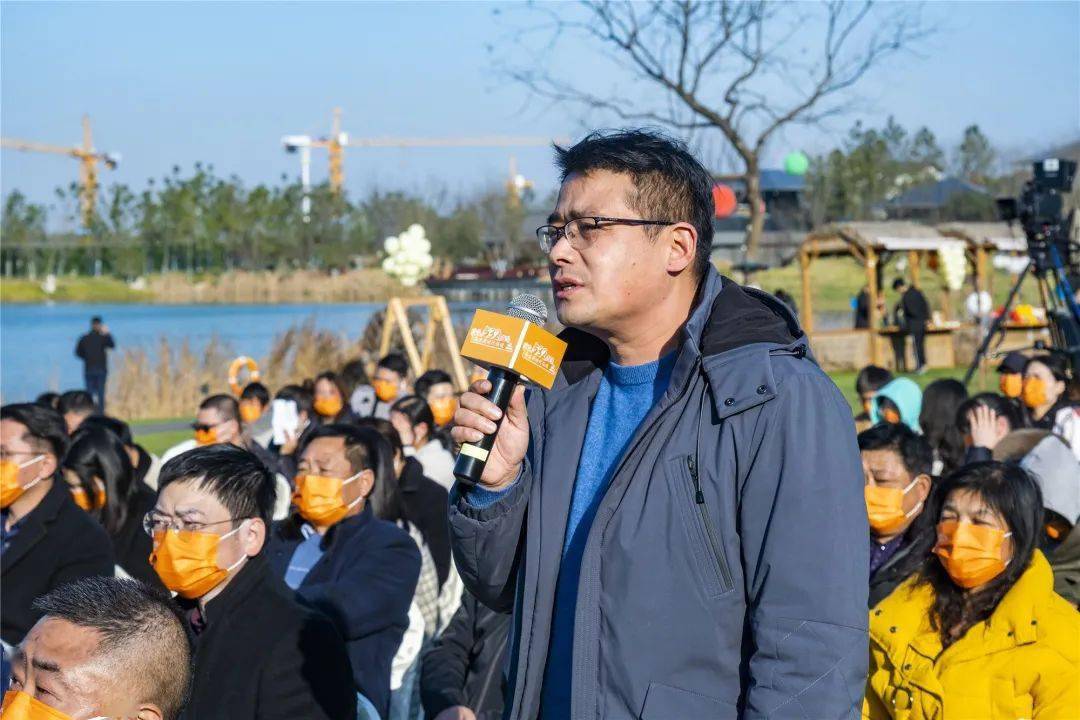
[724, 201]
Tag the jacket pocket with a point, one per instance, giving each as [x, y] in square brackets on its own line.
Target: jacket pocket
[702, 535]
[663, 702]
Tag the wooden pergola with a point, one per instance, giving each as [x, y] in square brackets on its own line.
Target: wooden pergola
[871, 244]
[984, 239]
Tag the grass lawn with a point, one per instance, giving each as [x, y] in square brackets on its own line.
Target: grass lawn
[836, 280]
[159, 442]
[71, 289]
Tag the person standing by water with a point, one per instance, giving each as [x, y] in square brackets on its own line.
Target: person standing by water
[92, 350]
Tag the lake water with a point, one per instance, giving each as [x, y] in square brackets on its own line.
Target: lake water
[37, 342]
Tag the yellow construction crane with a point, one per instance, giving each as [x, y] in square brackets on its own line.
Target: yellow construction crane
[88, 159]
[336, 143]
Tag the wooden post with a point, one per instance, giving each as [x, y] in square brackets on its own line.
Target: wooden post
[807, 296]
[420, 358]
[872, 288]
[913, 267]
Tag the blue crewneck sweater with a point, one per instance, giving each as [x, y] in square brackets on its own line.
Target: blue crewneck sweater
[625, 396]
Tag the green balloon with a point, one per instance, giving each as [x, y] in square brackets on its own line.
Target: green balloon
[796, 163]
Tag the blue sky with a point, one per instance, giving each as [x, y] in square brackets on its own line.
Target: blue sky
[169, 84]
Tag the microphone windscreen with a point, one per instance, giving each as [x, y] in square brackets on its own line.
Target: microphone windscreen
[529, 308]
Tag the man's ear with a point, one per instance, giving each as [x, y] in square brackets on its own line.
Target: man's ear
[366, 482]
[49, 465]
[253, 536]
[923, 484]
[149, 711]
[682, 247]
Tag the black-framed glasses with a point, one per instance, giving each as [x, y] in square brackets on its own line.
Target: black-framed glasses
[581, 232]
[154, 523]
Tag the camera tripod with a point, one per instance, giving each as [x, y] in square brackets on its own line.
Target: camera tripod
[1059, 303]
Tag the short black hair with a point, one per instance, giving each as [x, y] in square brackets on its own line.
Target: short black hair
[96, 320]
[425, 382]
[898, 283]
[353, 374]
[44, 426]
[417, 410]
[669, 182]
[1053, 362]
[367, 449]
[48, 399]
[395, 362]
[226, 406]
[235, 476]
[300, 395]
[256, 391]
[913, 449]
[871, 379]
[116, 426]
[140, 625]
[1000, 405]
[77, 401]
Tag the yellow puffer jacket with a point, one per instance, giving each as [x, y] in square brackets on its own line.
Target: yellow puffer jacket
[1024, 662]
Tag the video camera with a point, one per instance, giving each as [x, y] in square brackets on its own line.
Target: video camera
[1040, 209]
[1055, 258]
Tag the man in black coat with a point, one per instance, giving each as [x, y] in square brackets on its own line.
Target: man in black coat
[46, 539]
[462, 672]
[423, 501]
[258, 652]
[92, 350]
[914, 312]
[340, 558]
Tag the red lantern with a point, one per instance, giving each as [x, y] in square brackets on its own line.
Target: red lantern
[724, 200]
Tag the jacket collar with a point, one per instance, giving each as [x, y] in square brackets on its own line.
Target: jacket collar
[725, 317]
[902, 619]
[242, 586]
[348, 527]
[35, 524]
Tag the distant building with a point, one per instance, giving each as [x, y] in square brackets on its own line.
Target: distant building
[930, 202]
[786, 219]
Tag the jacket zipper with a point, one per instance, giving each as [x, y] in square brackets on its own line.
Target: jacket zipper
[699, 499]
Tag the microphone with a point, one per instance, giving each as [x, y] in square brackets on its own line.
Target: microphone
[515, 348]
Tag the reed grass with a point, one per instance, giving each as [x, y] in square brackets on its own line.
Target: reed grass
[171, 381]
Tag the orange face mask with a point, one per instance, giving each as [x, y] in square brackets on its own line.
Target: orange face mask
[186, 561]
[1011, 384]
[10, 489]
[885, 507]
[250, 411]
[329, 406]
[890, 416]
[385, 390]
[82, 499]
[1034, 393]
[20, 706]
[443, 409]
[971, 554]
[206, 437]
[319, 499]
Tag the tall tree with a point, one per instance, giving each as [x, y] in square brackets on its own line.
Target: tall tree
[975, 155]
[743, 69]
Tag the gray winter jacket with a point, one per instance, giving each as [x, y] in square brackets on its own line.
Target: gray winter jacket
[726, 571]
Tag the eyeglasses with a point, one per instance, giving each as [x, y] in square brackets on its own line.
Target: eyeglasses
[154, 523]
[203, 427]
[583, 231]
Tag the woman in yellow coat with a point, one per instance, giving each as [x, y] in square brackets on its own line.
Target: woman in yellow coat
[979, 632]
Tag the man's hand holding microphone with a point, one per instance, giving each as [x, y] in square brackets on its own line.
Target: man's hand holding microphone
[491, 421]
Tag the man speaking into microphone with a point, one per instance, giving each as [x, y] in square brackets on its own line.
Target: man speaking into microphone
[678, 524]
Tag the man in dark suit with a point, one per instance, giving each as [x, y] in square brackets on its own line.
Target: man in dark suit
[258, 652]
[92, 349]
[913, 313]
[341, 558]
[46, 539]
